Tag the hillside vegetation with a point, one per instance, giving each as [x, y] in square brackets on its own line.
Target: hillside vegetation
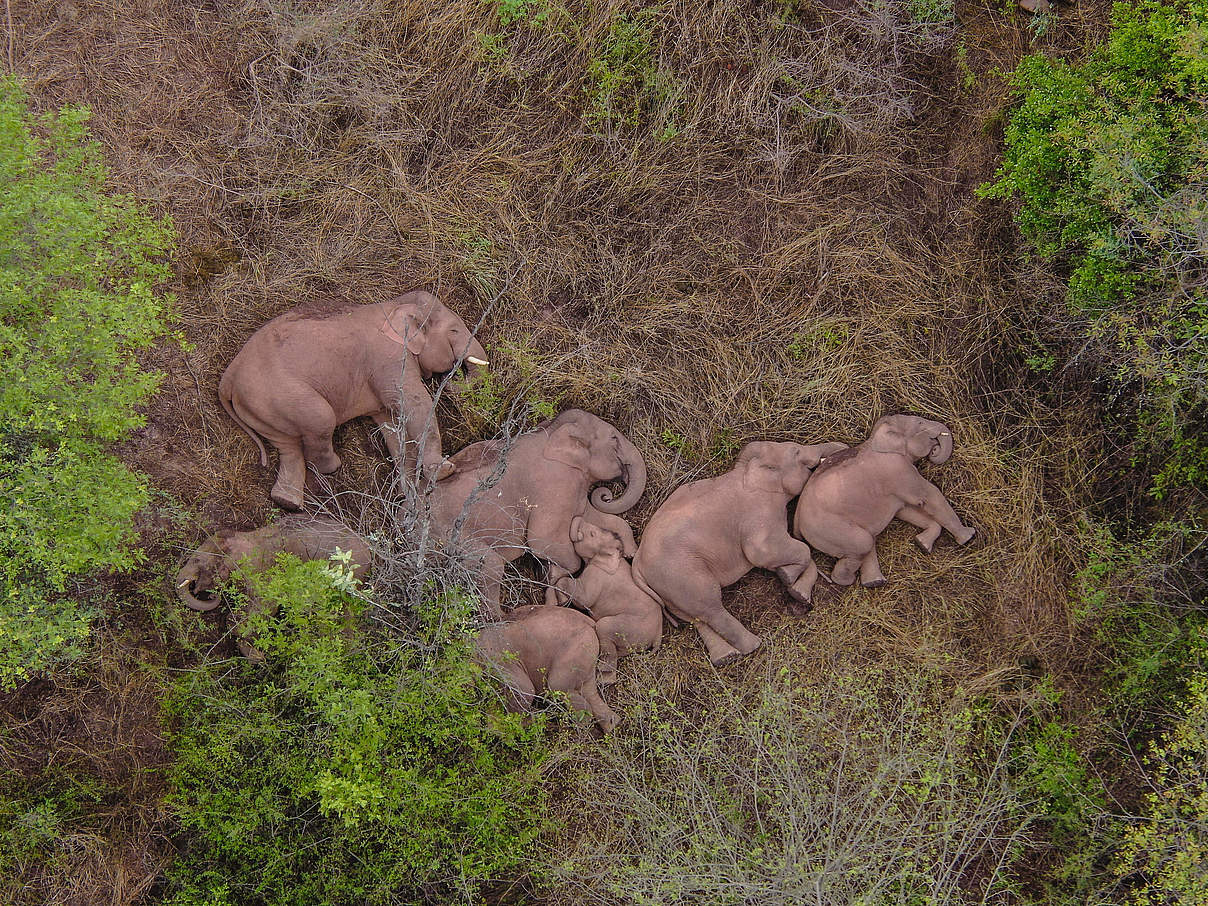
[710, 223]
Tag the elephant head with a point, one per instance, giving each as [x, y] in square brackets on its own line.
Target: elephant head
[912, 437]
[437, 337]
[601, 452]
[781, 468]
[591, 541]
[205, 572]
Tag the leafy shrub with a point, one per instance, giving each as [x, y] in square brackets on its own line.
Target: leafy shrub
[345, 770]
[78, 269]
[1168, 848]
[625, 83]
[1109, 162]
[860, 788]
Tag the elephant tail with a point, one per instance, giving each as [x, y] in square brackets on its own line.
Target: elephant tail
[224, 396]
[640, 582]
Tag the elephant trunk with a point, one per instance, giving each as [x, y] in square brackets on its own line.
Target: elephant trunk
[943, 448]
[186, 590]
[633, 473]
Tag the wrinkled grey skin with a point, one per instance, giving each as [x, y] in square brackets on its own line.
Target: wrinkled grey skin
[542, 647]
[627, 619]
[200, 580]
[711, 533]
[854, 497]
[546, 476]
[297, 378]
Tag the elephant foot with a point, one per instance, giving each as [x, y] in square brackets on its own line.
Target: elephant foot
[875, 583]
[253, 654]
[287, 499]
[445, 469]
[802, 596]
[607, 676]
[723, 658]
[967, 536]
[925, 545]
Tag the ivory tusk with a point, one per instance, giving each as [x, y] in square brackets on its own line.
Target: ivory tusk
[473, 360]
[945, 434]
[184, 583]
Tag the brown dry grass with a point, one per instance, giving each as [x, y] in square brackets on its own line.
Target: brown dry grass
[804, 256]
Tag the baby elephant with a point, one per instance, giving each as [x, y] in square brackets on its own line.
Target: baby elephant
[200, 580]
[542, 647]
[627, 619]
[854, 496]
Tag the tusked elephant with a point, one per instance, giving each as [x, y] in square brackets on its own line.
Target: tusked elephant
[201, 578]
[541, 647]
[711, 533]
[853, 497]
[502, 502]
[627, 618]
[300, 376]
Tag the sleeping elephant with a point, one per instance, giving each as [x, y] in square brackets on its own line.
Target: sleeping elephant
[853, 497]
[711, 533]
[200, 580]
[543, 647]
[502, 502]
[299, 377]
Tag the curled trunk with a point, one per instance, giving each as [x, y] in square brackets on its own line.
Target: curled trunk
[944, 450]
[187, 592]
[633, 473]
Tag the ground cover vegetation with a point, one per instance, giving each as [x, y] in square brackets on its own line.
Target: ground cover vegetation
[710, 223]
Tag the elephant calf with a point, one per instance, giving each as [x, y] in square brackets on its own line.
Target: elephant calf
[200, 580]
[711, 533]
[854, 497]
[627, 619]
[542, 647]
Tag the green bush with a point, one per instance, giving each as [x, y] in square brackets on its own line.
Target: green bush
[78, 269]
[1166, 851]
[348, 770]
[625, 82]
[1109, 162]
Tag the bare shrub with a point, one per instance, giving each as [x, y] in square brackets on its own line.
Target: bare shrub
[865, 787]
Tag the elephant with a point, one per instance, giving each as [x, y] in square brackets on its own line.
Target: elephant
[541, 647]
[200, 580]
[300, 376]
[711, 533]
[853, 497]
[627, 619]
[503, 501]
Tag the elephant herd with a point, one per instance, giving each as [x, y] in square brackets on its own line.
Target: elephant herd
[542, 493]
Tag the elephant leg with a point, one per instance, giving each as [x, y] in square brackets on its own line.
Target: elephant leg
[607, 630]
[521, 691]
[699, 596]
[790, 559]
[720, 651]
[920, 519]
[291, 475]
[845, 570]
[386, 424]
[802, 590]
[606, 718]
[933, 502]
[870, 570]
[320, 453]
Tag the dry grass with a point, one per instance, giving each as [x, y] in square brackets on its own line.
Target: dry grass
[799, 254]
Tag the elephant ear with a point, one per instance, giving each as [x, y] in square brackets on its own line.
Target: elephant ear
[405, 327]
[569, 445]
[761, 471]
